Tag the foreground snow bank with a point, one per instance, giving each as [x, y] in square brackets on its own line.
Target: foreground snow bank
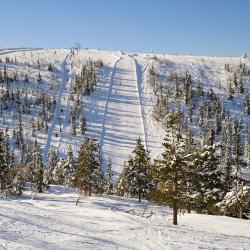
[53, 221]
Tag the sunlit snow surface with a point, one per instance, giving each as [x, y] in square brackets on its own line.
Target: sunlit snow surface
[120, 110]
[117, 113]
[53, 221]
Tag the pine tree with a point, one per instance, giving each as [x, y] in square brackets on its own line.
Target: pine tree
[227, 165]
[3, 163]
[238, 182]
[73, 127]
[88, 167]
[69, 169]
[138, 172]
[207, 184]
[83, 125]
[50, 68]
[1, 76]
[247, 104]
[121, 184]
[108, 178]
[39, 78]
[98, 180]
[38, 65]
[26, 78]
[58, 172]
[171, 171]
[51, 164]
[36, 169]
[15, 77]
[230, 91]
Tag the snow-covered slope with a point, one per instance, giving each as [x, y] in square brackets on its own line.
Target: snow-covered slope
[120, 110]
[53, 221]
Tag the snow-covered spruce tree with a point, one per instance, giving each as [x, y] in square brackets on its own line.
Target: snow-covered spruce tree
[88, 175]
[73, 127]
[83, 125]
[207, 184]
[109, 187]
[3, 163]
[236, 201]
[50, 165]
[171, 171]
[38, 65]
[36, 169]
[227, 164]
[19, 133]
[15, 76]
[138, 172]
[247, 103]
[160, 108]
[241, 88]
[230, 90]
[58, 172]
[1, 76]
[121, 186]
[69, 169]
[98, 179]
[39, 78]
[26, 78]
[50, 67]
[10, 172]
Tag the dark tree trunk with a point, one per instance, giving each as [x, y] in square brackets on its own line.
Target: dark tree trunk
[240, 212]
[175, 212]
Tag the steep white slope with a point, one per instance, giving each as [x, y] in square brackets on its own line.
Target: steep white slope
[53, 221]
[154, 133]
[123, 123]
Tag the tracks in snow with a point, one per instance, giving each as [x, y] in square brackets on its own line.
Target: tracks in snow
[57, 110]
[123, 122]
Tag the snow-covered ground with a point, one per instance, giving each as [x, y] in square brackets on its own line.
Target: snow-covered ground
[117, 113]
[120, 110]
[53, 221]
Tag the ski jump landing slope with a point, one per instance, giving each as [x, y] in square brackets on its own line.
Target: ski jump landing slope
[123, 122]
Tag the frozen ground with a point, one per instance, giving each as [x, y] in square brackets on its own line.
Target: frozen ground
[53, 221]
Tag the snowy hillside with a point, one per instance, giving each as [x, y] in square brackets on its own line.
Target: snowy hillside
[53, 221]
[61, 97]
[121, 108]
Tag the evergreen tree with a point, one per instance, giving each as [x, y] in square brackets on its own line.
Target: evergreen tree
[73, 127]
[39, 78]
[36, 169]
[238, 163]
[138, 172]
[83, 125]
[172, 170]
[26, 78]
[108, 178]
[230, 91]
[69, 169]
[207, 184]
[51, 164]
[58, 173]
[38, 65]
[3, 163]
[122, 185]
[88, 176]
[50, 68]
[98, 179]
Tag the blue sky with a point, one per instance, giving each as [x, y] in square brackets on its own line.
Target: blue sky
[212, 27]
